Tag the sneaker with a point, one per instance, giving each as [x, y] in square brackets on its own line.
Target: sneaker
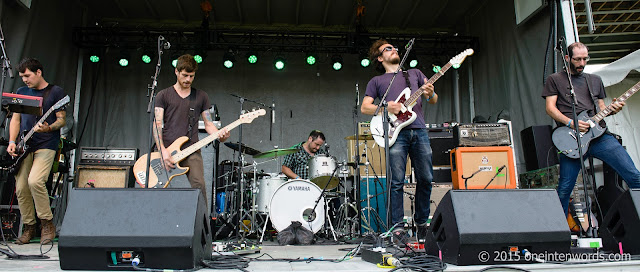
[400, 237]
[421, 233]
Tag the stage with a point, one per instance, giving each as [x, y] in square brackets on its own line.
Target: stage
[316, 251]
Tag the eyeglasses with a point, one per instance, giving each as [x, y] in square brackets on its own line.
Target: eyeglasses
[581, 59]
[389, 48]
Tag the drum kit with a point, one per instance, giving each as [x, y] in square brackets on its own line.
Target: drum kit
[272, 197]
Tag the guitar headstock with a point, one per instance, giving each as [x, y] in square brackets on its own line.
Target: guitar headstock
[458, 59]
[61, 103]
[249, 116]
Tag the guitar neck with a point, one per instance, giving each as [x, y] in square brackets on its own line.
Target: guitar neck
[416, 95]
[200, 144]
[609, 109]
[44, 116]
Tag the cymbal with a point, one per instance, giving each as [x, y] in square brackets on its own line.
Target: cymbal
[275, 153]
[245, 149]
[359, 137]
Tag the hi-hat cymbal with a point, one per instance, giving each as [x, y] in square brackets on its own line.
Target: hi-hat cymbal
[275, 153]
[245, 149]
[359, 137]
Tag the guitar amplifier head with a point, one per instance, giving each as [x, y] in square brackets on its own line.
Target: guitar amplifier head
[481, 134]
[108, 156]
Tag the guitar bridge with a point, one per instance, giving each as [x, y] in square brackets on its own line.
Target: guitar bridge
[142, 177]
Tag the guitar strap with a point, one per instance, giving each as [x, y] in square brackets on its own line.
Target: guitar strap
[405, 74]
[595, 99]
[192, 112]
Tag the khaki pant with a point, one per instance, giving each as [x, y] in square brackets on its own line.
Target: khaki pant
[31, 186]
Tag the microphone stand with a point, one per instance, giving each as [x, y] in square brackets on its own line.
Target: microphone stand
[240, 200]
[151, 93]
[591, 231]
[385, 127]
[6, 68]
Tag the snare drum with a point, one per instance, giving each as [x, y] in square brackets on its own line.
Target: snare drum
[294, 201]
[321, 168]
[267, 185]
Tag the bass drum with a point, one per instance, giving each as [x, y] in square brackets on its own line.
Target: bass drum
[267, 185]
[294, 201]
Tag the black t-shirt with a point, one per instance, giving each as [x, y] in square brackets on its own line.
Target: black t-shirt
[45, 140]
[557, 84]
[176, 114]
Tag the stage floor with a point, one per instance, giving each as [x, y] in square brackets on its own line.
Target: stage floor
[316, 251]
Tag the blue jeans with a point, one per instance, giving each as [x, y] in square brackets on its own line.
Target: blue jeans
[414, 142]
[608, 150]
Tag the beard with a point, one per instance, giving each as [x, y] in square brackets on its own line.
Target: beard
[574, 69]
[395, 60]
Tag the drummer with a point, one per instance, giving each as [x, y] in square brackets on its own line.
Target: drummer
[295, 165]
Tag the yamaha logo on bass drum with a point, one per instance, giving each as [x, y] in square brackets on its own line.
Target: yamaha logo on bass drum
[299, 188]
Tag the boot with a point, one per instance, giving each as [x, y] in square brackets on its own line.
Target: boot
[48, 231]
[28, 232]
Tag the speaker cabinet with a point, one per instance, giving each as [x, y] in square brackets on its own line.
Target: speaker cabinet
[98, 176]
[621, 224]
[489, 167]
[538, 148]
[494, 226]
[103, 229]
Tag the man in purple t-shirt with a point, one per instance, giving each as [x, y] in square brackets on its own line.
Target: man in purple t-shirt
[412, 139]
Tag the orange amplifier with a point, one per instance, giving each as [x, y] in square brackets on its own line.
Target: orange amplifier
[488, 167]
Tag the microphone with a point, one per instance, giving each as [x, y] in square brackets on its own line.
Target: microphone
[273, 112]
[165, 44]
[326, 147]
[357, 95]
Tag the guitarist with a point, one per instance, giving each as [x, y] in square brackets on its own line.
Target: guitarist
[412, 140]
[34, 170]
[590, 93]
[177, 111]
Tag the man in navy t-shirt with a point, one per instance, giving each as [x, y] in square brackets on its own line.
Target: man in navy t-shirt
[34, 169]
[412, 139]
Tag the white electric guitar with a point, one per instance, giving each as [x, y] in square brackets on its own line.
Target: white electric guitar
[406, 116]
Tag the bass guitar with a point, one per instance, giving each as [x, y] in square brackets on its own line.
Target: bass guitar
[159, 177]
[564, 138]
[406, 116]
[23, 146]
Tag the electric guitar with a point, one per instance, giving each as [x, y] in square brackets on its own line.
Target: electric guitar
[564, 138]
[23, 145]
[406, 116]
[159, 176]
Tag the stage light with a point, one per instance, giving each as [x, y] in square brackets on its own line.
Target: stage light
[228, 59]
[364, 60]
[279, 62]
[336, 61]
[124, 59]
[174, 59]
[413, 60]
[94, 56]
[311, 59]
[252, 57]
[197, 58]
[147, 56]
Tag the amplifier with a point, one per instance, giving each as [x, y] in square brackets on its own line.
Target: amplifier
[108, 156]
[481, 134]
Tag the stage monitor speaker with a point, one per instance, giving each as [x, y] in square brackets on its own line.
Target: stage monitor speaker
[488, 167]
[103, 229]
[495, 226]
[539, 151]
[98, 176]
[621, 224]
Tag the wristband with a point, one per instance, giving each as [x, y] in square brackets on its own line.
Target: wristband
[297, 177]
[12, 142]
[569, 124]
[432, 95]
